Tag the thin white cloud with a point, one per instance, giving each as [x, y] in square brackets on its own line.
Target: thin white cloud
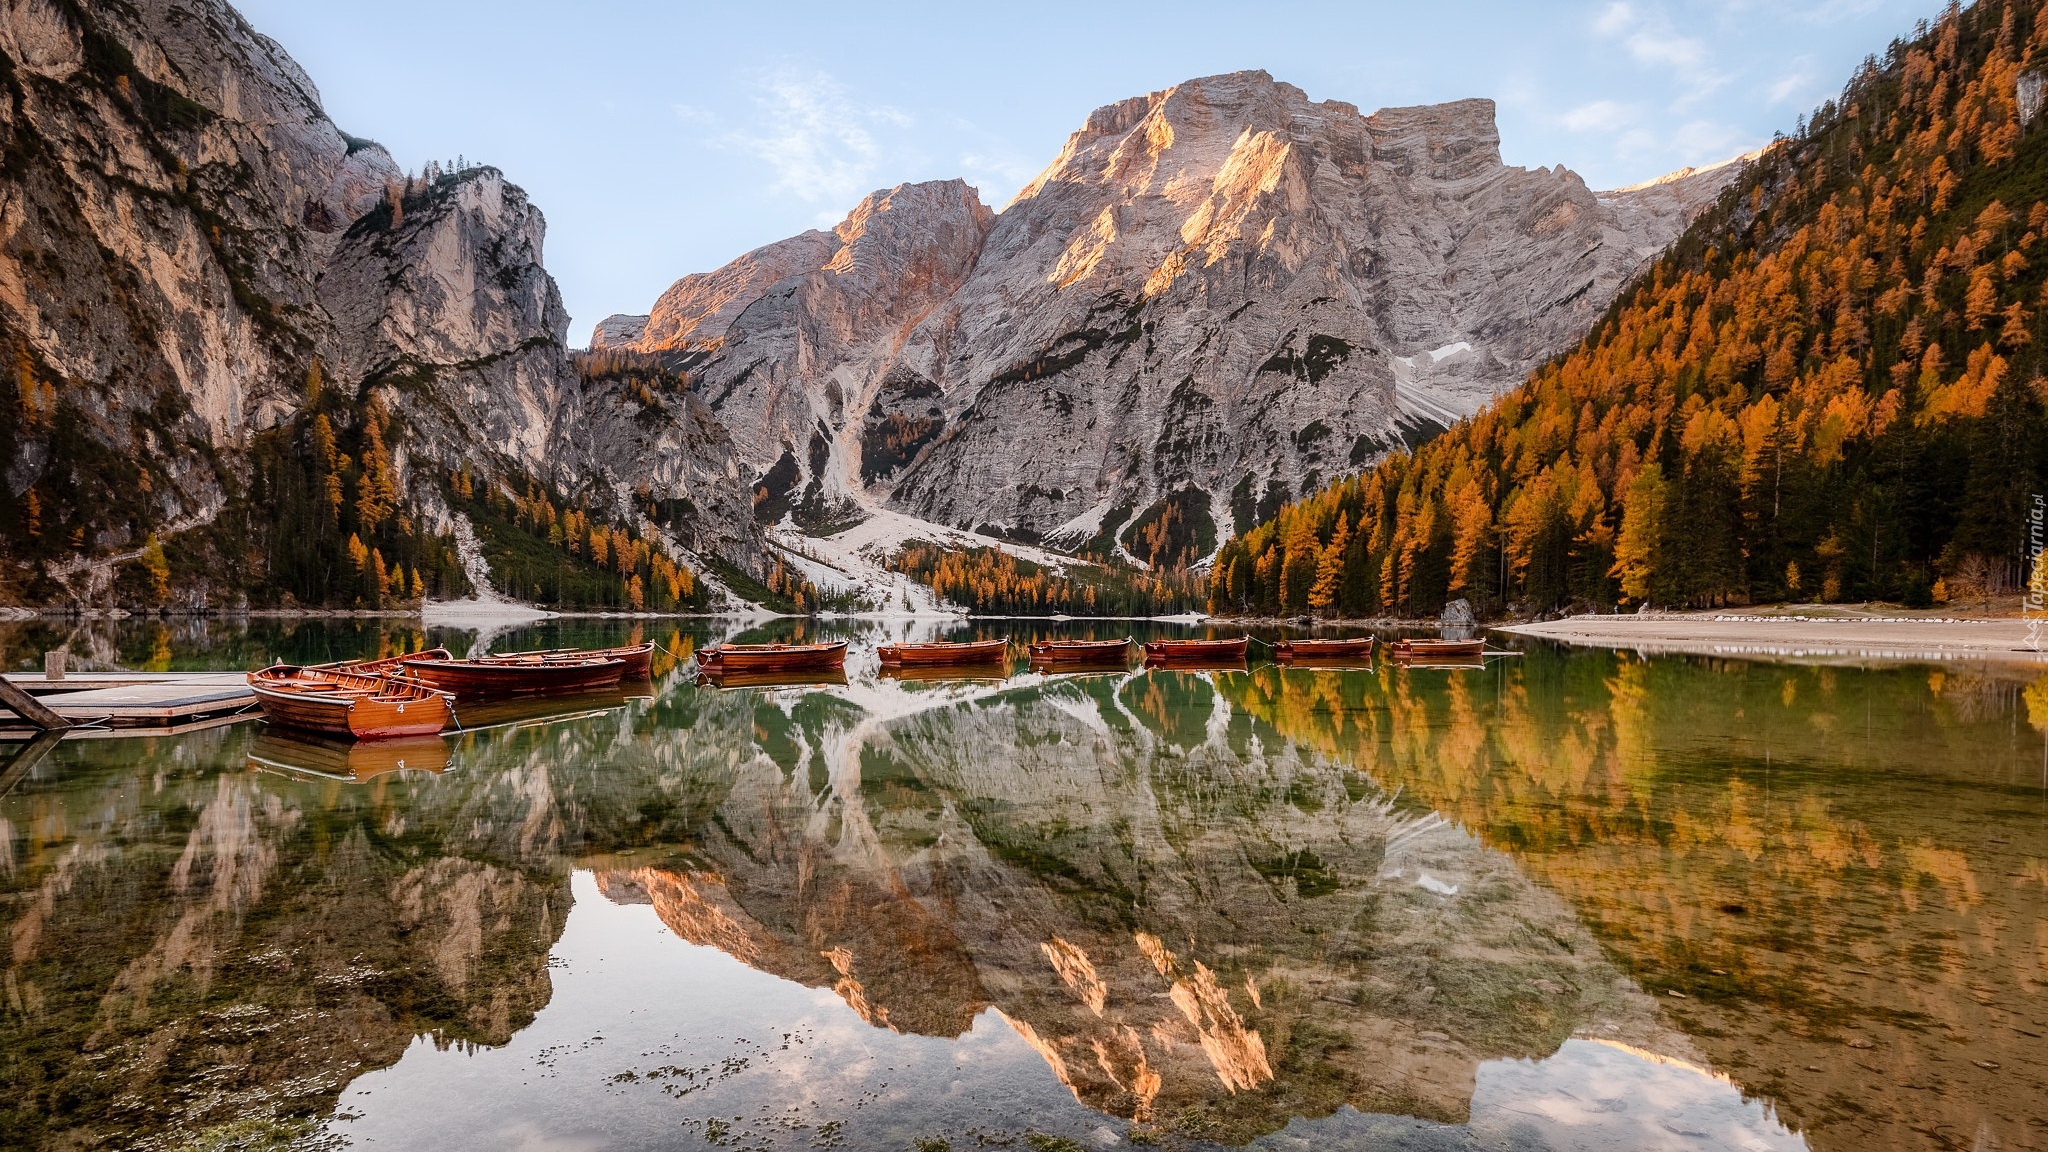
[1599, 116]
[1614, 19]
[1815, 12]
[1651, 42]
[819, 141]
[1787, 88]
[691, 114]
[1706, 142]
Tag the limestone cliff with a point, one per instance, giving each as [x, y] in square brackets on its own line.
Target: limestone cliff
[1223, 292]
[190, 249]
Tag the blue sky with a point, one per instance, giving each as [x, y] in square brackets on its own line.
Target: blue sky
[662, 139]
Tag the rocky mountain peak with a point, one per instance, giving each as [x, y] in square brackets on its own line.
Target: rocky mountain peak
[1450, 141]
[198, 253]
[1217, 295]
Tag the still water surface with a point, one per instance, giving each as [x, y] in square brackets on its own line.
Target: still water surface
[1568, 900]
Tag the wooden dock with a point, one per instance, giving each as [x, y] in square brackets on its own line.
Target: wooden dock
[133, 703]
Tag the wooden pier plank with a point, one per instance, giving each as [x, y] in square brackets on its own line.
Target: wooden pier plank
[129, 699]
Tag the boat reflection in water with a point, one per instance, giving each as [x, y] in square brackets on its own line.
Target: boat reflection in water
[308, 754]
[519, 711]
[284, 749]
[791, 678]
[1572, 901]
[991, 672]
[1425, 662]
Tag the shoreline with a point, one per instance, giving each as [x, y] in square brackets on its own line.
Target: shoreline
[1753, 635]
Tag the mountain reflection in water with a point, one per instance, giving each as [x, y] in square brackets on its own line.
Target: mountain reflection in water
[1571, 900]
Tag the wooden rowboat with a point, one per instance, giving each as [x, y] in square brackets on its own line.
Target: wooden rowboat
[969, 652]
[1080, 651]
[490, 678]
[722, 658]
[388, 665]
[345, 703]
[639, 658]
[1416, 649]
[1197, 651]
[1290, 651]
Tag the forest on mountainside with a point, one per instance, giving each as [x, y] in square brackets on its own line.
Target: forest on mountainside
[990, 581]
[1831, 388]
[323, 519]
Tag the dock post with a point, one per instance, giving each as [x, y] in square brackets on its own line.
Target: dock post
[53, 664]
[29, 708]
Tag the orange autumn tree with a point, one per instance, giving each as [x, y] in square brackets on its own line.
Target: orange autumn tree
[1832, 383]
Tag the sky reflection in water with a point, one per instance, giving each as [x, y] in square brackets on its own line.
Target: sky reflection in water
[1570, 900]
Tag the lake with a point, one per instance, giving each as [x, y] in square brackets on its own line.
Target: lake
[1570, 899]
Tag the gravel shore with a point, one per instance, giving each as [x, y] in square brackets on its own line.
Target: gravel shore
[1845, 635]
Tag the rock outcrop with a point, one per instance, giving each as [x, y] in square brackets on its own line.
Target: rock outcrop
[172, 191]
[446, 309]
[1223, 293]
[186, 240]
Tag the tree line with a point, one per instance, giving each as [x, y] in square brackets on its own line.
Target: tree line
[1831, 388]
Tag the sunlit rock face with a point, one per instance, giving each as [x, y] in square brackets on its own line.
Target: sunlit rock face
[1223, 286]
[166, 239]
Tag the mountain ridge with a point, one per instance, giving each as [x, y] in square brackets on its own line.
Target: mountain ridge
[1830, 387]
[1033, 400]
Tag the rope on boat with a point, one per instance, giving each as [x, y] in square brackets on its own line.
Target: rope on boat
[454, 719]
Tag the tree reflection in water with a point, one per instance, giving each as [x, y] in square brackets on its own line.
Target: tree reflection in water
[1555, 900]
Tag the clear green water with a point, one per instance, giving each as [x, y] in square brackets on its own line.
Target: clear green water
[1570, 900]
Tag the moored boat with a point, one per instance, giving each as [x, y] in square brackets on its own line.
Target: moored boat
[1080, 651]
[723, 658]
[1231, 651]
[388, 665]
[500, 678]
[943, 652]
[1417, 649]
[639, 658]
[1306, 651]
[345, 703]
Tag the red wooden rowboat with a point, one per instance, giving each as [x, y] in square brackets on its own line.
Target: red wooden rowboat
[1197, 651]
[1081, 651]
[1416, 649]
[969, 652]
[348, 703]
[389, 665]
[489, 678]
[639, 658]
[722, 658]
[1289, 651]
